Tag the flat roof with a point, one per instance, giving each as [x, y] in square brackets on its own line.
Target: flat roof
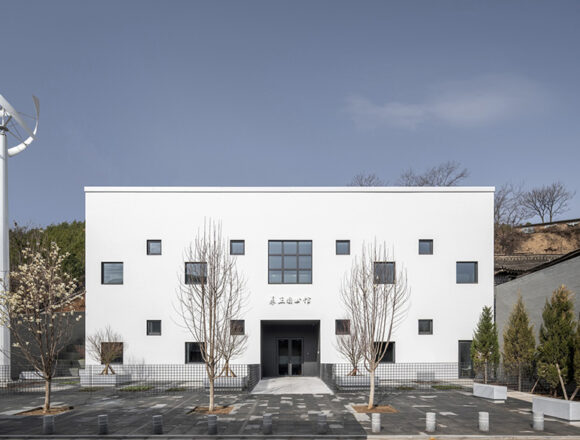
[289, 189]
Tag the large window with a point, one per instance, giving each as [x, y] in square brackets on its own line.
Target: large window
[389, 356]
[195, 273]
[237, 247]
[153, 247]
[111, 273]
[237, 327]
[342, 327]
[289, 262]
[425, 247]
[154, 327]
[384, 272]
[425, 326]
[342, 247]
[193, 352]
[467, 272]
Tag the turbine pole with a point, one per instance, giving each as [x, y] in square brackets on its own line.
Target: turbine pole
[4, 254]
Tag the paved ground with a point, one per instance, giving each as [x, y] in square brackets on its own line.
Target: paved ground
[291, 385]
[293, 414]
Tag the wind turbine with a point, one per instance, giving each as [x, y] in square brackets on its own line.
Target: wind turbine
[11, 123]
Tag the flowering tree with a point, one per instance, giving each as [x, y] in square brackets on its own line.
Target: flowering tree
[38, 307]
[210, 296]
[105, 346]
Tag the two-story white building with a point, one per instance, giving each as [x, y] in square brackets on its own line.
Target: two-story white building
[293, 246]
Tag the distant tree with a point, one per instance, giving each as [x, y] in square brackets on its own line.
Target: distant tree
[556, 347]
[364, 179]
[519, 342]
[547, 201]
[508, 209]
[576, 361]
[105, 346]
[485, 345]
[448, 173]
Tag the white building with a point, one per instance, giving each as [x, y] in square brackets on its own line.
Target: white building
[136, 237]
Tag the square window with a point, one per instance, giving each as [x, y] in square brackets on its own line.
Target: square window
[195, 273]
[111, 273]
[342, 247]
[237, 327]
[425, 247]
[342, 327]
[237, 247]
[384, 272]
[389, 356]
[111, 352]
[466, 272]
[154, 327]
[193, 353]
[425, 326]
[153, 247]
[289, 262]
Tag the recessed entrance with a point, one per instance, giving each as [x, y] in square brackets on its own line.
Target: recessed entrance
[290, 348]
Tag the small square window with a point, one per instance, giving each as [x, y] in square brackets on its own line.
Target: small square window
[237, 247]
[193, 353]
[195, 273]
[153, 247]
[154, 327]
[342, 247]
[111, 273]
[466, 272]
[237, 327]
[384, 272]
[425, 247]
[111, 352]
[342, 327]
[425, 326]
[389, 356]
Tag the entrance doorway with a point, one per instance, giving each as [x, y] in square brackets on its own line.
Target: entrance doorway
[290, 357]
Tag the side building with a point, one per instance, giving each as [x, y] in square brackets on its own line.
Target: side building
[294, 247]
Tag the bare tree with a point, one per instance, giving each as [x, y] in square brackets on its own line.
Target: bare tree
[547, 201]
[375, 296]
[105, 346]
[38, 308]
[211, 291]
[233, 342]
[366, 179]
[508, 208]
[349, 346]
[448, 173]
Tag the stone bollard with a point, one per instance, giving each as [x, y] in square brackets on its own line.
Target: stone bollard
[267, 424]
[48, 425]
[321, 426]
[376, 422]
[484, 421]
[157, 424]
[430, 422]
[538, 423]
[212, 428]
[103, 421]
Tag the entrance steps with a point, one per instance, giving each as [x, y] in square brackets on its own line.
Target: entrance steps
[291, 385]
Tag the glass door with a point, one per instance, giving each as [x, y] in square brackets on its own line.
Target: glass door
[296, 357]
[290, 357]
[283, 357]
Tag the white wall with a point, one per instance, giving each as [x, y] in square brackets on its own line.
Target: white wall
[120, 220]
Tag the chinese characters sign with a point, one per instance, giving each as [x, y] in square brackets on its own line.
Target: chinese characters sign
[289, 300]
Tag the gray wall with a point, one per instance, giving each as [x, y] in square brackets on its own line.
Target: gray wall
[535, 288]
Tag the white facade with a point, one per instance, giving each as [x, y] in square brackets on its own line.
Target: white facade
[119, 221]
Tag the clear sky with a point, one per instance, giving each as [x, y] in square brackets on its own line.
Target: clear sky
[287, 93]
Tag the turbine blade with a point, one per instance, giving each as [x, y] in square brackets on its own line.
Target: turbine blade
[15, 114]
[21, 147]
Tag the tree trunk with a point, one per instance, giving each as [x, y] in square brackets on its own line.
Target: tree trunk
[519, 377]
[562, 382]
[211, 400]
[372, 391]
[485, 373]
[574, 393]
[47, 389]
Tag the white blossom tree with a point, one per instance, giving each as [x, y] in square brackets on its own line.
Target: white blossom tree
[375, 296]
[38, 307]
[211, 294]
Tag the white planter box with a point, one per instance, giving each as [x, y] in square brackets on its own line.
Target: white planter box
[559, 408]
[102, 380]
[222, 383]
[493, 392]
[358, 381]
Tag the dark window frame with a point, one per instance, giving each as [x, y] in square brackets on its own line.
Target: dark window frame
[103, 273]
[151, 333]
[193, 278]
[187, 351]
[392, 348]
[342, 242]
[118, 359]
[243, 242]
[428, 332]
[237, 327]
[476, 274]
[342, 326]
[283, 255]
[426, 240]
[154, 241]
[377, 277]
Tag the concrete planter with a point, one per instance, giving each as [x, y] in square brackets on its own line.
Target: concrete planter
[358, 381]
[493, 392]
[102, 380]
[559, 408]
[227, 383]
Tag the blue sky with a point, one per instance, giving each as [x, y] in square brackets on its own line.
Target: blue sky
[287, 93]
